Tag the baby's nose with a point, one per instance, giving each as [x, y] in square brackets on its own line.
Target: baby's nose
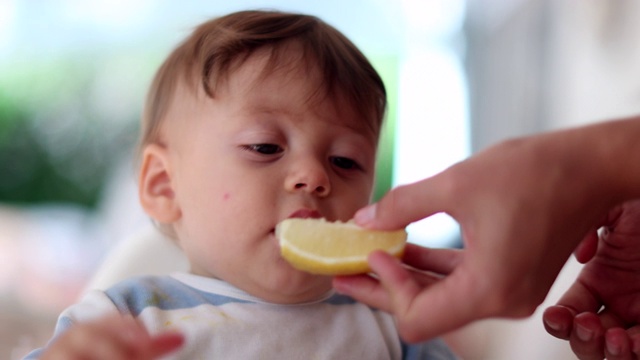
[310, 177]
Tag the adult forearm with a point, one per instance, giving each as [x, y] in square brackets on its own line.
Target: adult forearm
[608, 154]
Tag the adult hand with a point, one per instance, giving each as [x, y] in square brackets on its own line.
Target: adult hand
[523, 207]
[599, 314]
[112, 338]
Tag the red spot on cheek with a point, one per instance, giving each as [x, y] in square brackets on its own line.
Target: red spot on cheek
[226, 196]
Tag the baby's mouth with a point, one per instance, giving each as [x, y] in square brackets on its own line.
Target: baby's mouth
[302, 214]
[305, 214]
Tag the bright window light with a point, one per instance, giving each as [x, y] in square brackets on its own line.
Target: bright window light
[432, 130]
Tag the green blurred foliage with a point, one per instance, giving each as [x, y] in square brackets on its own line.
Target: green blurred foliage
[57, 144]
[387, 67]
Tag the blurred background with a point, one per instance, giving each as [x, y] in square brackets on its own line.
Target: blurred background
[461, 75]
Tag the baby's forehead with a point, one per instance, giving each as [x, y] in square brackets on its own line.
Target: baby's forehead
[269, 115]
[270, 64]
[312, 94]
[314, 90]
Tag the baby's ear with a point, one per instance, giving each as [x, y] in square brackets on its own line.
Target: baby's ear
[155, 188]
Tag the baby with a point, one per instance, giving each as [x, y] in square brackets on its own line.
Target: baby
[257, 117]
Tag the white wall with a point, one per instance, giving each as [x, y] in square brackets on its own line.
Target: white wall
[537, 65]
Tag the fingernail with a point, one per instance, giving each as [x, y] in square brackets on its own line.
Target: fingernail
[365, 215]
[553, 325]
[583, 333]
[613, 349]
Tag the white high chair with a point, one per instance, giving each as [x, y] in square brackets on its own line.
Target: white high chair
[147, 252]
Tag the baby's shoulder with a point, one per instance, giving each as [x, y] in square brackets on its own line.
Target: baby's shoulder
[166, 293]
[143, 283]
[137, 293]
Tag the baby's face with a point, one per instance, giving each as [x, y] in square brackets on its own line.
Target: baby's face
[257, 153]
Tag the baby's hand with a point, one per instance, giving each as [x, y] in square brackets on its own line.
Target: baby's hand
[599, 313]
[114, 337]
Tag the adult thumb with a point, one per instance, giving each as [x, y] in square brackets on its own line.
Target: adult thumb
[403, 205]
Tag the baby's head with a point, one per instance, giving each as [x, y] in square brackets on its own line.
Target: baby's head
[257, 117]
[218, 47]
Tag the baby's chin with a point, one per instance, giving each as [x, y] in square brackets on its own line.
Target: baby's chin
[296, 287]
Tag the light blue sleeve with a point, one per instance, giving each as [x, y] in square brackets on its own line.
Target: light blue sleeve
[431, 350]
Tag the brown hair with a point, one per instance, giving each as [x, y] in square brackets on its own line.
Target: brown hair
[205, 58]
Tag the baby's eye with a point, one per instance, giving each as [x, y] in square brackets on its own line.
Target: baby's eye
[344, 163]
[266, 149]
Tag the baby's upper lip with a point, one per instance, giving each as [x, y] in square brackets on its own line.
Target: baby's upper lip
[305, 213]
